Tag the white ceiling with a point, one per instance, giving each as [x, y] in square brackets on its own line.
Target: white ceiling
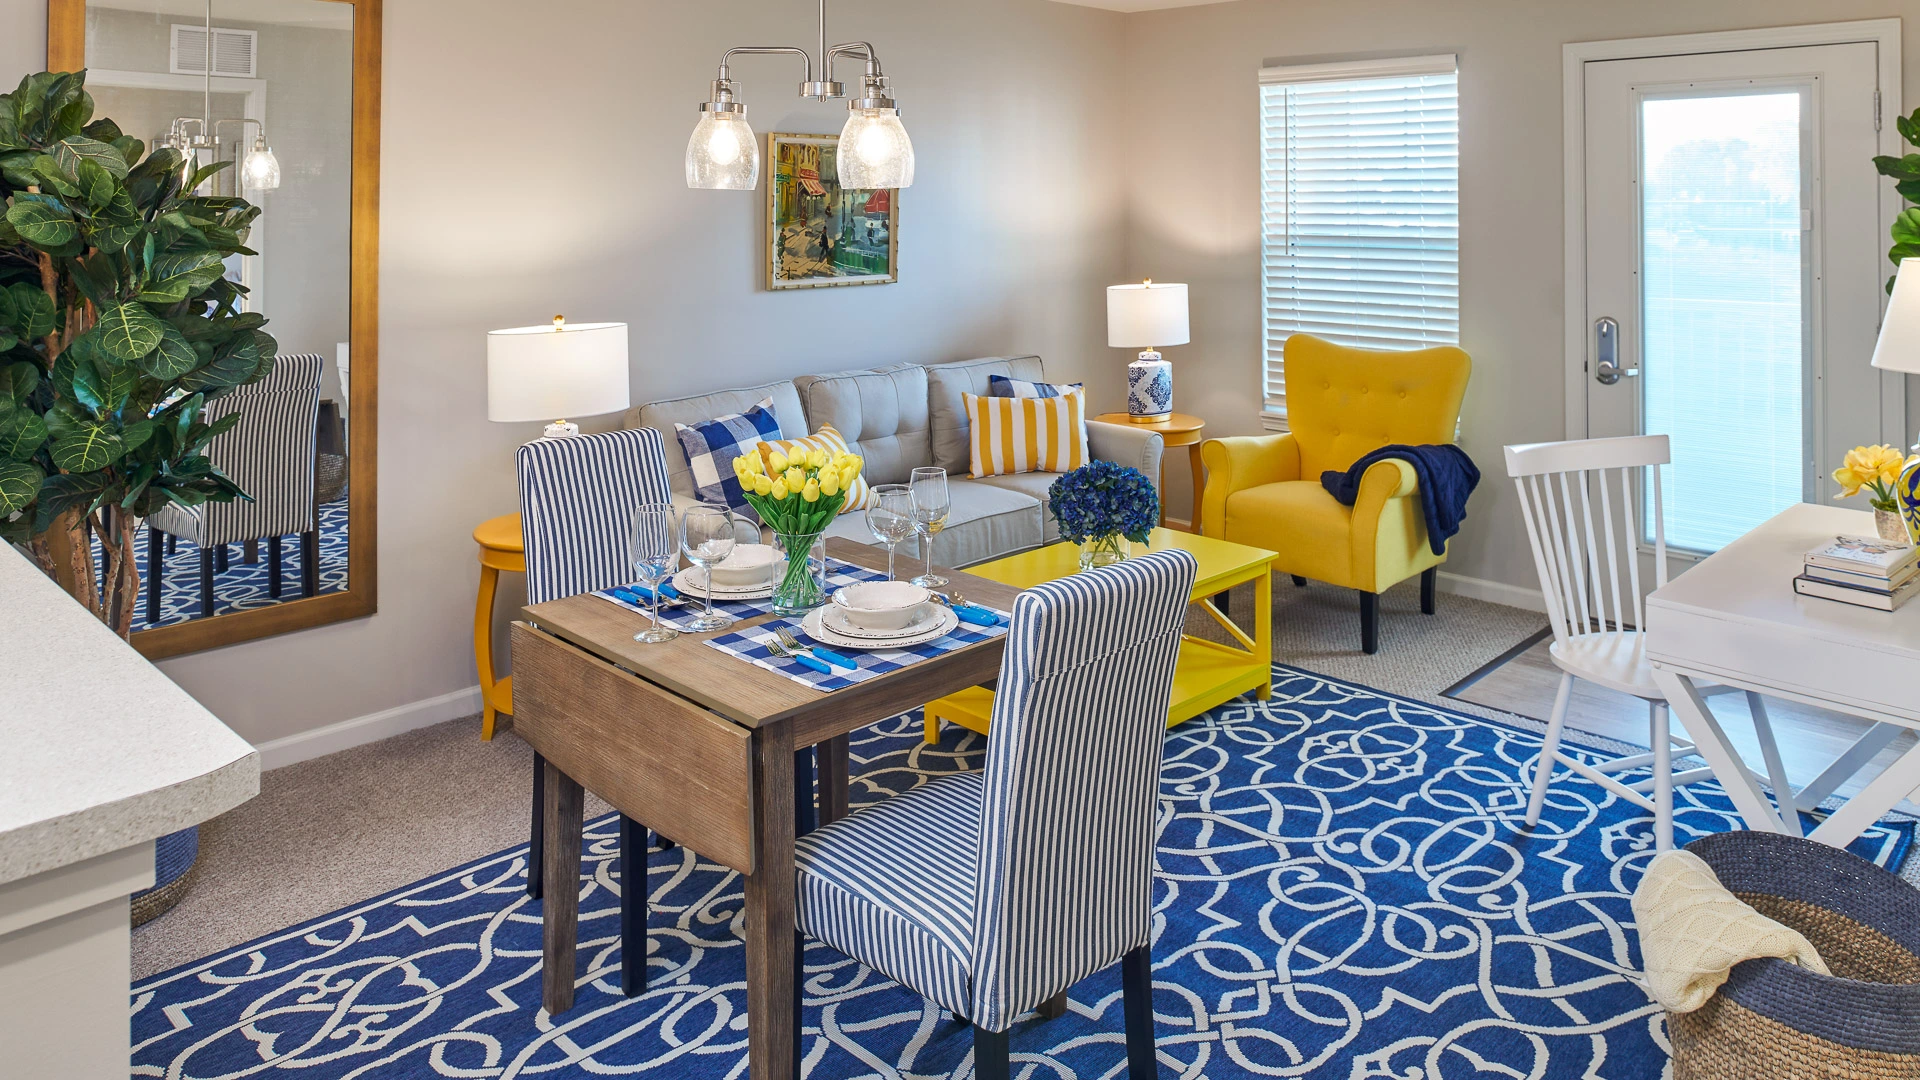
[1140, 5]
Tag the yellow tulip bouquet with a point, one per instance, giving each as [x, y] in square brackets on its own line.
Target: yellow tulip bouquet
[797, 497]
[1876, 468]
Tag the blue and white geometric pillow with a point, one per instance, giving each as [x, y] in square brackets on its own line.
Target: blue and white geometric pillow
[712, 445]
[1001, 386]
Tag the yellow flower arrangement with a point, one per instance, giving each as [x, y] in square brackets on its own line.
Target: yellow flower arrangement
[797, 496]
[1876, 468]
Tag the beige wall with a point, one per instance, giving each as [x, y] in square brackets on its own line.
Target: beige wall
[1194, 208]
[532, 165]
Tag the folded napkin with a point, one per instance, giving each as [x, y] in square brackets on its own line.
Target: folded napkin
[1693, 931]
[975, 614]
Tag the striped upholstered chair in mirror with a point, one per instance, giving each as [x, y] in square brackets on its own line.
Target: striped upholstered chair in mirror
[577, 496]
[993, 892]
[270, 455]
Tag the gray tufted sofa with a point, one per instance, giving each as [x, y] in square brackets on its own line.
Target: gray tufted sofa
[901, 417]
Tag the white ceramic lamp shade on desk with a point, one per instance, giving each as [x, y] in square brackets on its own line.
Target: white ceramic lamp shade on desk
[1899, 350]
[557, 371]
[1146, 316]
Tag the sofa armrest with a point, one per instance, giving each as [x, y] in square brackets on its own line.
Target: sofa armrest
[1127, 444]
[1241, 462]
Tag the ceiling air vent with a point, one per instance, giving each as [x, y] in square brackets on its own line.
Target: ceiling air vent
[233, 51]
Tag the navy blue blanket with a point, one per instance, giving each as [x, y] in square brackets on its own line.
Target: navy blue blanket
[1446, 476]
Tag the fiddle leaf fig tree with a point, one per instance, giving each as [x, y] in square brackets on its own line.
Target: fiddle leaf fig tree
[1905, 173]
[118, 326]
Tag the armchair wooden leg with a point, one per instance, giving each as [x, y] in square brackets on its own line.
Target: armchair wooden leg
[1054, 1007]
[1298, 581]
[1429, 584]
[992, 1055]
[156, 573]
[1369, 622]
[537, 832]
[206, 583]
[633, 906]
[1136, 988]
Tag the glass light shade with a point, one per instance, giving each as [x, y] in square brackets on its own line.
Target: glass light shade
[874, 151]
[554, 372]
[261, 170]
[1899, 346]
[1146, 315]
[723, 153]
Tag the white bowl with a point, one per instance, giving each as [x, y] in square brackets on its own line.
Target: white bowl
[881, 605]
[747, 564]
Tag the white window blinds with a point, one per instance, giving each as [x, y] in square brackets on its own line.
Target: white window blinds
[1359, 192]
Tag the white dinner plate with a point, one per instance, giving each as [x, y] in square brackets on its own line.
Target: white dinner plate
[939, 625]
[692, 581]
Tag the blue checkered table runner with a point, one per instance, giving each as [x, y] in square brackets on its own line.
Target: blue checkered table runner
[750, 644]
[838, 574]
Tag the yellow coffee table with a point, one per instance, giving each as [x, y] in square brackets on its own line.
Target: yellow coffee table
[1207, 673]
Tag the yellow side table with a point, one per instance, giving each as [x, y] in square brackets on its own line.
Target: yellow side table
[1178, 429]
[500, 549]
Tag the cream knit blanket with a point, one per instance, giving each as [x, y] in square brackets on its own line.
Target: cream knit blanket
[1692, 932]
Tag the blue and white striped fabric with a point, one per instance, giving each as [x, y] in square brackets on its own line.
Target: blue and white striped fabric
[270, 453]
[1002, 386]
[752, 644]
[711, 446]
[577, 498]
[1055, 869]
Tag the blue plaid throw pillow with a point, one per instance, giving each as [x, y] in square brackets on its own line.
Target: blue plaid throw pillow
[1001, 386]
[712, 445]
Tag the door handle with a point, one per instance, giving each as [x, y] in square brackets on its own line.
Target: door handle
[1606, 349]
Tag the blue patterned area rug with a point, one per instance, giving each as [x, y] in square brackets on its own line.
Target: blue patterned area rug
[1345, 892]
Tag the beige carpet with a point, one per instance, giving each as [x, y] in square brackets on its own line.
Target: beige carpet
[327, 833]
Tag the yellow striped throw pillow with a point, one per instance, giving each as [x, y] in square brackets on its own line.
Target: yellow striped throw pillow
[1019, 435]
[830, 440]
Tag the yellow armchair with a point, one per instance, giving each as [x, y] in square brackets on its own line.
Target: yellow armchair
[1342, 404]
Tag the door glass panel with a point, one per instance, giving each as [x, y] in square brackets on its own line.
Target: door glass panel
[1723, 267]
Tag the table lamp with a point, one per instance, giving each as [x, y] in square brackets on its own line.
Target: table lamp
[543, 372]
[1899, 350]
[1141, 317]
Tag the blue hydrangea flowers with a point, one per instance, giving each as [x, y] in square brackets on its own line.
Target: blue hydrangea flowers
[1102, 499]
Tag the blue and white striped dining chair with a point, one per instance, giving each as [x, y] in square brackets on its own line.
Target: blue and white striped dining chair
[577, 498]
[993, 892]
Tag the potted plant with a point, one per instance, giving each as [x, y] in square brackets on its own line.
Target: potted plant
[1102, 507]
[1877, 469]
[797, 498]
[118, 326]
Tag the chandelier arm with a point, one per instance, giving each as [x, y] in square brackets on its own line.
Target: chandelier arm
[765, 50]
[859, 49]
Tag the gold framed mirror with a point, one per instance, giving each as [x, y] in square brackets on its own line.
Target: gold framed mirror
[289, 92]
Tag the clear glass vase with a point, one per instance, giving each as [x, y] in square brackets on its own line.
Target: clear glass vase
[800, 573]
[1104, 551]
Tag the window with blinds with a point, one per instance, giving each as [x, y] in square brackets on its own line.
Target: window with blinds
[1360, 207]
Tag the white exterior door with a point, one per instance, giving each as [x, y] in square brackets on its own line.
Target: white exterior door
[1735, 261]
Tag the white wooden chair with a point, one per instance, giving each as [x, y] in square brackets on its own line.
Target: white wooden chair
[1579, 499]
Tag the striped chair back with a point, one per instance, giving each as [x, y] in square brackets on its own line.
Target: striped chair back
[577, 497]
[1065, 876]
[270, 454]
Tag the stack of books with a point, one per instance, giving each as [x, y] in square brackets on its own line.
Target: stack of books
[1863, 571]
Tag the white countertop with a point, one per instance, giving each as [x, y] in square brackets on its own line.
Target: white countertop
[98, 749]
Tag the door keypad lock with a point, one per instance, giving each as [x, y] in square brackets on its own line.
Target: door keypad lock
[1606, 348]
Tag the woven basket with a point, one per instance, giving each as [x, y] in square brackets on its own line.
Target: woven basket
[329, 478]
[1779, 1021]
[176, 863]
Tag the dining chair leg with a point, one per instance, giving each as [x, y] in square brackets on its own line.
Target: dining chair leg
[309, 563]
[1136, 988]
[536, 834]
[992, 1054]
[633, 906]
[1369, 622]
[1555, 723]
[220, 556]
[1429, 585]
[806, 815]
[1298, 581]
[273, 567]
[156, 573]
[1054, 1007]
[1659, 730]
[1223, 603]
[206, 583]
[173, 544]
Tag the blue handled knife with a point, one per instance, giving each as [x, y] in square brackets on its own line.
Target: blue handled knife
[809, 662]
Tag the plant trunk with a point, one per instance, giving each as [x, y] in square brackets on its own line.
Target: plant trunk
[110, 592]
[122, 580]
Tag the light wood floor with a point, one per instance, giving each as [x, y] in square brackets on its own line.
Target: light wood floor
[1810, 738]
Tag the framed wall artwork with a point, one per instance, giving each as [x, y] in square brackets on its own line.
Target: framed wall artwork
[818, 233]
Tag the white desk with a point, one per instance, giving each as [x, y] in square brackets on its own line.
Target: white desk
[1735, 619]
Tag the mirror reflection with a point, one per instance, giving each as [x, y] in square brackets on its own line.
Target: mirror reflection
[275, 103]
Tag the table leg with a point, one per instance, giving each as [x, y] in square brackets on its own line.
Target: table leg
[560, 901]
[1263, 627]
[483, 646]
[834, 776]
[1900, 779]
[1712, 744]
[1776, 768]
[773, 942]
[1199, 486]
[1844, 766]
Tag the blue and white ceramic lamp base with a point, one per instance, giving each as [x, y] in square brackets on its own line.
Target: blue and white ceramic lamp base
[1149, 388]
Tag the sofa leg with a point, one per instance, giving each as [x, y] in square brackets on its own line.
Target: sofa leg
[1369, 623]
[1429, 584]
[1298, 581]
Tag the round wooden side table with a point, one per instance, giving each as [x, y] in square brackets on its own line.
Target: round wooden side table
[500, 549]
[1180, 429]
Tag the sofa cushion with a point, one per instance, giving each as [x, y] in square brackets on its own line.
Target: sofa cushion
[1016, 435]
[882, 412]
[947, 413]
[983, 522]
[1001, 386]
[711, 446]
[663, 415]
[1034, 486]
[826, 439]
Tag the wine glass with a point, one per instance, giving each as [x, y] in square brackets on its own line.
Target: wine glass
[890, 518]
[653, 543]
[930, 505]
[707, 535]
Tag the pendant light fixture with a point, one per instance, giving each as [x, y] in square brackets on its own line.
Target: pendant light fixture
[874, 150]
[259, 170]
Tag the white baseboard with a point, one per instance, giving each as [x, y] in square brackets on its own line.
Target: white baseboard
[373, 727]
[1493, 592]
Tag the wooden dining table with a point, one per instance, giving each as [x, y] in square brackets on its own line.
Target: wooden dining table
[699, 746]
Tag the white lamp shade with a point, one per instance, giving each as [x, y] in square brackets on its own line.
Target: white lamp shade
[1899, 346]
[1146, 315]
[557, 371]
